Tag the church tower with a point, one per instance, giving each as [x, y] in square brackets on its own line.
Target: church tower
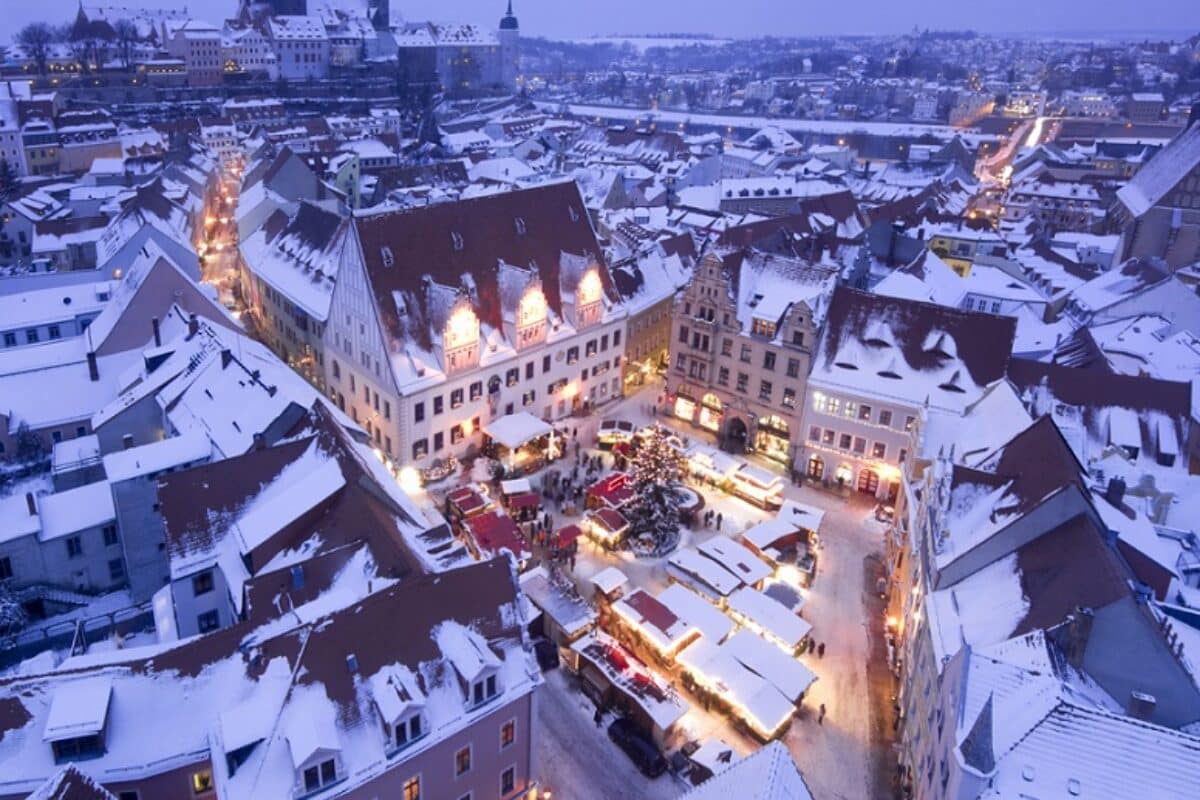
[509, 37]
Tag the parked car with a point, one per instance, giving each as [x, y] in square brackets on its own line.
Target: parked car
[638, 747]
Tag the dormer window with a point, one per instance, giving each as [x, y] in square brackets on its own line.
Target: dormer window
[456, 240]
[320, 775]
[389, 260]
[483, 690]
[520, 223]
[407, 731]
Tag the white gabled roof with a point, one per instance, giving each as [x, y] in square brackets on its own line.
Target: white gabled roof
[1166, 169]
[768, 774]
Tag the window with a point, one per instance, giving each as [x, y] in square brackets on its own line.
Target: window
[844, 441]
[54, 332]
[743, 381]
[512, 377]
[590, 348]
[683, 334]
[834, 406]
[10, 340]
[508, 734]
[680, 362]
[769, 361]
[202, 781]
[864, 412]
[439, 441]
[727, 347]
[789, 398]
[462, 761]
[116, 569]
[128, 795]
[909, 423]
[860, 445]
[420, 449]
[456, 434]
[745, 353]
[508, 780]
[419, 412]
[764, 391]
[529, 371]
[885, 418]
[412, 788]
[814, 433]
[6, 570]
[74, 547]
[476, 390]
[793, 368]
[438, 405]
[456, 398]
[851, 409]
[820, 402]
[545, 364]
[31, 335]
[798, 338]
[320, 775]
[572, 355]
[879, 450]
[723, 376]
[110, 535]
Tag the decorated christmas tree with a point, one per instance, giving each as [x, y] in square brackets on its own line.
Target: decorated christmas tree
[653, 516]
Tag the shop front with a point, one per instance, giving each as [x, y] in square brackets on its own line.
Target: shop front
[773, 439]
[685, 405]
[711, 413]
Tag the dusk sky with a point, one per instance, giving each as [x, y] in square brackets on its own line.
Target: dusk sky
[743, 18]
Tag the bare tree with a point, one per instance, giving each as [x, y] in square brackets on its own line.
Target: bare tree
[36, 38]
[126, 37]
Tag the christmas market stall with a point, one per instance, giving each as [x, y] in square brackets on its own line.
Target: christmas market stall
[791, 537]
[610, 583]
[738, 559]
[565, 615]
[773, 621]
[702, 575]
[606, 527]
[522, 442]
[520, 500]
[466, 502]
[716, 676]
[614, 678]
[612, 491]
[564, 542]
[650, 622]
[696, 612]
[492, 532]
[758, 486]
[614, 432]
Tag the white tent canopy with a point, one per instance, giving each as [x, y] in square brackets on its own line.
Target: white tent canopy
[516, 430]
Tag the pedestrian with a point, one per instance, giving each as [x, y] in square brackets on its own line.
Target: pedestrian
[820, 716]
[720, 519]
[598, 716]
[575, 435]
[821, 650]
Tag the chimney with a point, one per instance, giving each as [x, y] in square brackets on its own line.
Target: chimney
[157, 333]
[1115, 493]
[193, 326]
[1141, 705]
[260, 441]
[226, 357]
[31, 504]
[1079, 629]
[93, 368]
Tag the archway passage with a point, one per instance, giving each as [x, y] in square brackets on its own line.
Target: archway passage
[735, 435]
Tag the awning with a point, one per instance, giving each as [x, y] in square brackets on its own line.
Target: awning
[516, 430]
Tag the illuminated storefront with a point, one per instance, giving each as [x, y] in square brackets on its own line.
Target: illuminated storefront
[711, 412]
[685, 407]
[773, 438]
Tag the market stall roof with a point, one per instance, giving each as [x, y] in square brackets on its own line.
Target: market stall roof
[564, 536]
[515, 486]
[696, 611]
[609, 579]
[786, 673]
[715, 755]
[524, 500]
[610, 519]
[614, 489]
[654, 620]
[468, 500]
[516, 430]
[768, 617]
[494, 532]
[801, 515]
[767, 535]
[557, 602]
[737, 558]
[702, 574]
[755, 698]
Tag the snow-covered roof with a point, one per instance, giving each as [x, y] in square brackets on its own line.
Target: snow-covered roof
[79, 708]
[767, 774]
[516, 430]
[1163, 172]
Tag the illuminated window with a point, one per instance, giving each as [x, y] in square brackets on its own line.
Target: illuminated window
[508, 733]
[202, 781]
[412, 788]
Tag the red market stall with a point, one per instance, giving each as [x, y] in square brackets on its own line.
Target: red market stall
[611, 491]
[493, 532]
